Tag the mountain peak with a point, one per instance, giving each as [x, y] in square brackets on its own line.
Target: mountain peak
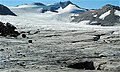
[38, 4]
[109, 6]
[69, 2]
[63, 4]
[56, 6]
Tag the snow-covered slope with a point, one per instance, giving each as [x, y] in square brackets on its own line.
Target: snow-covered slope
[29, 8]
[117, 13]
[71, 9]
[64, 14]
[60, 11]
[27, 20]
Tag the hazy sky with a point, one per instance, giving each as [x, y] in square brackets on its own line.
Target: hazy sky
[91, 4]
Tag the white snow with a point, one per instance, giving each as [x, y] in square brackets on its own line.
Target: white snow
[75, 15]
[94, 22]
[104, 15]
[69, 8]
[117, 32]
[60, 9]
[95, 16]
[117, 13]
[65, 14]
[29, 20]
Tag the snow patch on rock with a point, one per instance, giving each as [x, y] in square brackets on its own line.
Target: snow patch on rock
[94, 22]
[104, 15]
[95, 16]
[69, 8]
[117, 13]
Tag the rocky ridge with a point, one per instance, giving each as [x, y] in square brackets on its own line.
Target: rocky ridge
[104, 16]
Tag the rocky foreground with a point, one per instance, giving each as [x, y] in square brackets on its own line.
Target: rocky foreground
[61, 51]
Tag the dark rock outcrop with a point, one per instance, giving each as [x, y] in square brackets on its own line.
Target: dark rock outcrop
[29, 41]
[83, 65]
[8, 29]
[94, 16]
[6, 11]
[96, 38]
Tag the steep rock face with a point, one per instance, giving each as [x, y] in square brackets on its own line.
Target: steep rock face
[6, 11]
[105, 16]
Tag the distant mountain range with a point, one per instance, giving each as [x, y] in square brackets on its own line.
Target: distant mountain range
[56, 6]
[53, 7]
[108, 15]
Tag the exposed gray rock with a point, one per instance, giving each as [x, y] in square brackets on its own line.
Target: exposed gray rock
[94, 16]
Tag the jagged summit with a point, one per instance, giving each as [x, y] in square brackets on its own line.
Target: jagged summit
[111, 7]
[62, 4]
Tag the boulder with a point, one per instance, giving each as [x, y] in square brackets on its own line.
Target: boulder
[8, 29]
